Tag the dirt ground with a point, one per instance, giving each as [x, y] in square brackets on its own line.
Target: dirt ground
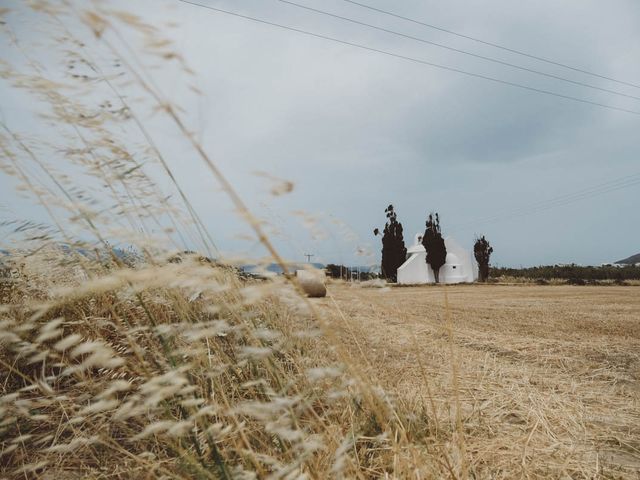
[548, 376]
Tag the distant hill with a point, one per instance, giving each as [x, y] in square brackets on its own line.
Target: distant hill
[128, 255]
[632, 260]
[275, 268]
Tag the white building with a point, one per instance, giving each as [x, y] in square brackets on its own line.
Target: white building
[460, 266]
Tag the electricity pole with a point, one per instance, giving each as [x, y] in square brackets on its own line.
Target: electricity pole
[309, 255]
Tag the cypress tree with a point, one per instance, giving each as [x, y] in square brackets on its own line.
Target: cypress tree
[434, 245]
[482, 250]
[394, 252]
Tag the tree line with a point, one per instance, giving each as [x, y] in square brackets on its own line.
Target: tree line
[572, 273]
[346, 273]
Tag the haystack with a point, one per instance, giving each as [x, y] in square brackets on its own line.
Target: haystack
[312, 282]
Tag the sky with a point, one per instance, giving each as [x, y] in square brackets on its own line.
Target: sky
[356, 130]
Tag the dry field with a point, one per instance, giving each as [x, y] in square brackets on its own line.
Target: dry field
[167, 365]
[549, 376]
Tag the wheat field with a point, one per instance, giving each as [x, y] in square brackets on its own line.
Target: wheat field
[549, 376]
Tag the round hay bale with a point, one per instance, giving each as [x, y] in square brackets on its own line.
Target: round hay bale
[312, 282]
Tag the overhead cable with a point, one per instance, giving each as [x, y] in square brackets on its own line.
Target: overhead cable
[492, 44]
[412, 59]
[457, 50]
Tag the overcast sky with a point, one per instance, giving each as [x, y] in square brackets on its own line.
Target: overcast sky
[355, 130]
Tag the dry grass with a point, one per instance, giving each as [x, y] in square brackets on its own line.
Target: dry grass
[549, 376]
[152, 368]
[180, 371]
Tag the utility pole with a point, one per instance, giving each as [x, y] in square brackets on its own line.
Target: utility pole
[309, 255]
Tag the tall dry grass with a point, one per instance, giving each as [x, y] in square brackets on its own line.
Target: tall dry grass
[157, 366]
[178, 370]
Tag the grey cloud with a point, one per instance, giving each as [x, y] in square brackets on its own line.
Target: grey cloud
[357, 130]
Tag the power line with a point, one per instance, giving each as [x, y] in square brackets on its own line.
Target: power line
[412, 59]
[495, 45]
[553, 203]
[559, 204]
[590, 192]
[622, 180]
[457, 50]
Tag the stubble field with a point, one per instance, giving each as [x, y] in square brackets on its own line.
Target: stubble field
[540, 380]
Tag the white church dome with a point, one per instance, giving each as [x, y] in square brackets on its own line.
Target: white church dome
[452, 259]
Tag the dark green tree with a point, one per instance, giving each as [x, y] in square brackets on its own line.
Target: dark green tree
[434, 245]
[336, 271]
[482, 250]
[394, 252]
